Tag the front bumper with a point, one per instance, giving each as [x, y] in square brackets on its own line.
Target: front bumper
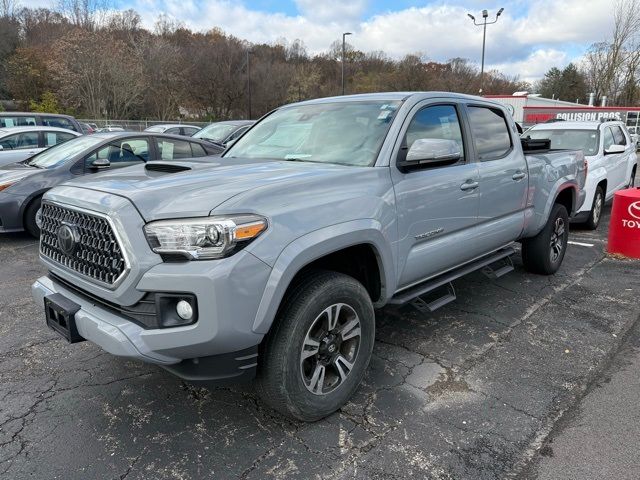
[219, 346]
[10, 208]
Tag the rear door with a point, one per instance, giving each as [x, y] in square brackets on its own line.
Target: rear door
[19, 146]
[502, 177]
[438, 205]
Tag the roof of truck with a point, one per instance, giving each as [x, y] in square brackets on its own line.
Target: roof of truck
[396, 96]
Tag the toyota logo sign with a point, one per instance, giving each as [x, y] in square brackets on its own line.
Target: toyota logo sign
[67, 238]
[634, 210]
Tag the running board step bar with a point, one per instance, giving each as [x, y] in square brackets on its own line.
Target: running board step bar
[420, 304]
[416, 291]
[498, 269]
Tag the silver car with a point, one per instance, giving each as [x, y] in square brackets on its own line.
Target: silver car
[174, 129]
[20, 143]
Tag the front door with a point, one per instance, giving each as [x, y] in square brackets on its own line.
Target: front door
[503, 177]
[437, 206]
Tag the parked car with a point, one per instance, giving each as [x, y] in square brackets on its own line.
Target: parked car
[221, 133]
[271, 260]
[633, 132]
[20, 143]
[87, 129]
[111, 128]
[175, 129]
[23, 184]
[610, 153]
[32, 119]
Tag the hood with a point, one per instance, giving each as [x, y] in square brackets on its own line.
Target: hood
[16, 171]
[197, 191]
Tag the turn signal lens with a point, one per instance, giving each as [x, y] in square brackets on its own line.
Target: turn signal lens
[5, 186]
[250, 230]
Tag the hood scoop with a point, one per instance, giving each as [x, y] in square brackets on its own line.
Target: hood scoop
[166, 167]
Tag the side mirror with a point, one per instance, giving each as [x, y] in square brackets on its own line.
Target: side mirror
[615, 149]
[229, 143]
[100, 163]
[1, 147]
[426, 152]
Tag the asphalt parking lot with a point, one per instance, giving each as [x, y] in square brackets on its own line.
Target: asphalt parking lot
[471, 391]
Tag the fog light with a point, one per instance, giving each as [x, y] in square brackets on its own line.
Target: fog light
[184, 310]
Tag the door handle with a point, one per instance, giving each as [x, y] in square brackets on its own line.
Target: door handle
[469, 186]
[519, 175]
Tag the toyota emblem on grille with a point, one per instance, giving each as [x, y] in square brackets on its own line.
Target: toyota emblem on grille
[67, 238]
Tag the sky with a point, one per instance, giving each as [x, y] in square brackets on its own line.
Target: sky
[530, 37]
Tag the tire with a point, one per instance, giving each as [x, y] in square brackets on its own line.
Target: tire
[595, 214]
[30, 213]
[543, 254]
[309, 382]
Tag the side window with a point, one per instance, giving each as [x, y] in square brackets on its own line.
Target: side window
[198, 150]
[173, 131]
[173, 149]
[490, 132]
[237, 133]
[59, 122]
[190, 130]
[127, 150]
[608, 139]
[618, 136]
[54, 138]
[436, 122]
[20, 140]
[18, 121]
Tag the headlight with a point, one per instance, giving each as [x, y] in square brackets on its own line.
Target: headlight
[203, 238]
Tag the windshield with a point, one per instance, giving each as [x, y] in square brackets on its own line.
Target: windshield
[347, 133]
[59, 154]
[215, 132]
[585, 140]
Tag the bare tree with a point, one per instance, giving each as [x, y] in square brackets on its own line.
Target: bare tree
[9, 8]
[87, 14]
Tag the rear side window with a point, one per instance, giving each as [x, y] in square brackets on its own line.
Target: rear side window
[17, 121]
[618, 136]
[173, 149]
[173, 131]
[198, 150]
[59, 122]
[190, 130]
[54, 138]
[490, 132]
[436, 122]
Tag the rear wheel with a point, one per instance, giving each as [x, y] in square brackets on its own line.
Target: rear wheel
[317, 352]
[30, 215]
[596, 210]
[544, 253]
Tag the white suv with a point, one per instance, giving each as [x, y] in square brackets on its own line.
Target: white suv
[610, 153]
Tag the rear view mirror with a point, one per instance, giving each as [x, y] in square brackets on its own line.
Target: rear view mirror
[432, 151]
[100, 163]
[615, 149]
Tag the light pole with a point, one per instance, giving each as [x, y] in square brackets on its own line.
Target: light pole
[485, 15]
[249, 82]
[343, 57]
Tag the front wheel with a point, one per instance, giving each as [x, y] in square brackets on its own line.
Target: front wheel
[544, 253]
[30, 218]
[318, 350]
[596, 210]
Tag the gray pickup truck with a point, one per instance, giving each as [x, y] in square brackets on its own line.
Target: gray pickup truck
[268, 263]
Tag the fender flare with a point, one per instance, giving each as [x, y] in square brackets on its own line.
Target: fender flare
[315, 245]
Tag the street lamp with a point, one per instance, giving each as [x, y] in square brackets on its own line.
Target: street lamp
[249, 52]
[483, 24]
[343, 55]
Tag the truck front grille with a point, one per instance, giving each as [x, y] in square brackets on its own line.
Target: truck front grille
[81, 242]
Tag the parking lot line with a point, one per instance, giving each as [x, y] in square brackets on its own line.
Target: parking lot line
[580, 244]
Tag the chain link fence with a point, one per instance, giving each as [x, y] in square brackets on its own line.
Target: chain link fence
[136, 125]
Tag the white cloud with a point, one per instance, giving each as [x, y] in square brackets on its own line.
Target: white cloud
[526, 45]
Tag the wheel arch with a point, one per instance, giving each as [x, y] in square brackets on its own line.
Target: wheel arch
[321, 248]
